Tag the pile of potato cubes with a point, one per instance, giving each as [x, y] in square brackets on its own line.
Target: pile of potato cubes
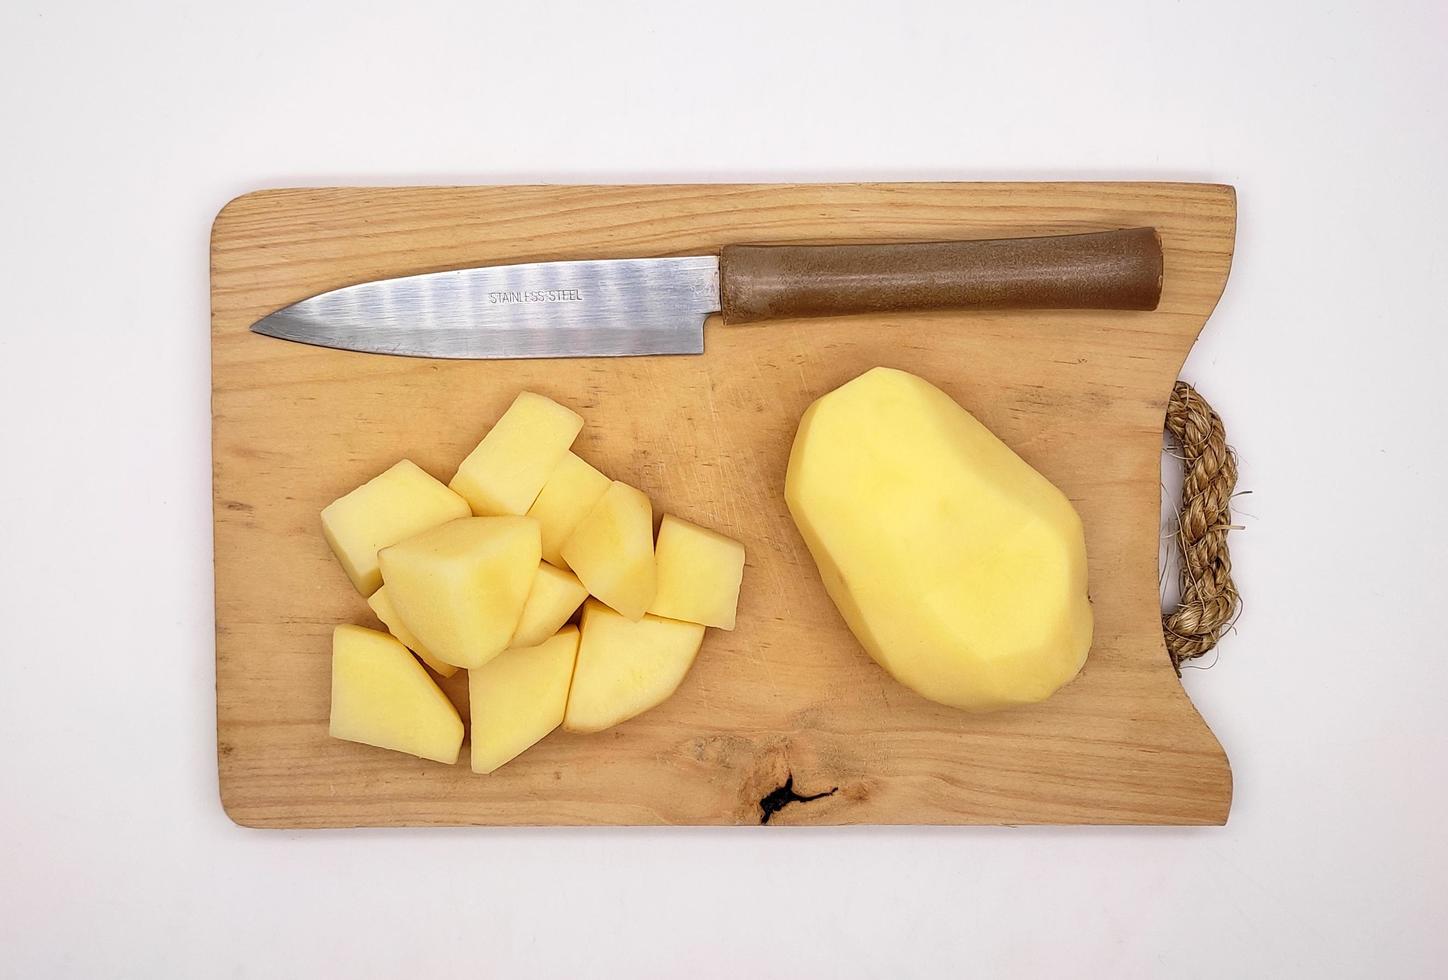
[485, 574]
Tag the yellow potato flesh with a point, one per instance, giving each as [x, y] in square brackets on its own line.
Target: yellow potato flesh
[381, 696]
[699, 572]
[555, 596]
[518, 697]
[957, 566]
[612, 550]
[625, 667]
[504, 474]
[572, 489]
[398, 504]
[381, 604]
[460, 588]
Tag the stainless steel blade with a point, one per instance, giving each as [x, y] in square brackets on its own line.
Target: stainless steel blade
[600, 308]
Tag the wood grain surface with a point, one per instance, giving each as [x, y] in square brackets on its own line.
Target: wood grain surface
[789, 695]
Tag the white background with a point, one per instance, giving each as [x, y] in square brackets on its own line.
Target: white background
[124, 130]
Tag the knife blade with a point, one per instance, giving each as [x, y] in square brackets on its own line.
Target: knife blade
[613, 307]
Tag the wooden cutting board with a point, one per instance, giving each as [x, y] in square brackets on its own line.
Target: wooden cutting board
[788, 699]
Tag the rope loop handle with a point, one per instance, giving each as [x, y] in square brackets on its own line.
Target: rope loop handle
[1209, 600]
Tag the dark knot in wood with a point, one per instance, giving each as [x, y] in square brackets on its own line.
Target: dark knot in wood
[782, 796]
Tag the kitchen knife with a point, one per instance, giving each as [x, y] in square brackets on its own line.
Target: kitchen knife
[611, 307]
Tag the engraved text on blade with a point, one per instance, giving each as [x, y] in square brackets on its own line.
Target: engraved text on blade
[537, 296]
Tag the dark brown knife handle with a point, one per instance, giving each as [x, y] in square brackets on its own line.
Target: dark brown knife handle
[1109, 270]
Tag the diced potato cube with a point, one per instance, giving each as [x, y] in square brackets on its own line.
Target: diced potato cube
[382, 608]
[612, 550]
[626, 667]
[504, 474]
[567, 497]
[460, 588]
[397, 504]
[381, 696]
[518, 697]
[555, 596]
[699, 572]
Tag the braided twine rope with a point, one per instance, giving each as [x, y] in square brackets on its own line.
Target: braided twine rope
[1209, 600]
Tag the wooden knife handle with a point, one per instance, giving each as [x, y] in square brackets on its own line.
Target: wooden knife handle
[1109, 270]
